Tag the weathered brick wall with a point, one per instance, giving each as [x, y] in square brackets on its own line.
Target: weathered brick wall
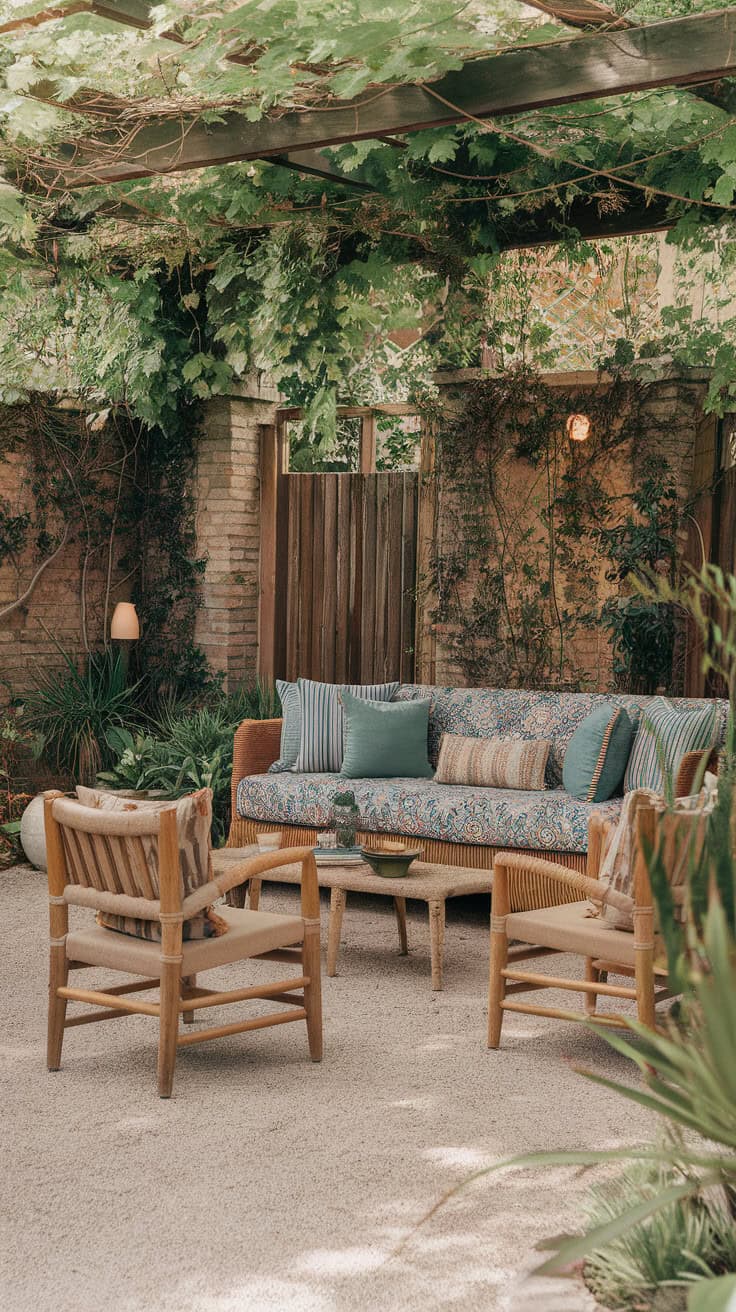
[677, 432]
[53, 614]
[227, 490]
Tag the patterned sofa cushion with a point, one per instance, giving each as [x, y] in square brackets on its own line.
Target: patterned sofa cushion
[516, 713]
[549, 821]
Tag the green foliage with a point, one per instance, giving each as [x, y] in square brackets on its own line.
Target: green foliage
[188, 749]
[73, 712]
[682, 1243]
[688, 1067]
[529, 518]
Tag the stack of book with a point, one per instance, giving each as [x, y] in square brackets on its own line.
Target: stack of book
[338, 856]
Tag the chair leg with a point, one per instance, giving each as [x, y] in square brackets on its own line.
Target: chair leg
[496, 985]
[312, 967]
[254, 894]
[58, 976]
[644, 983]
[168, 1025]
[592, 975]
[187, 982]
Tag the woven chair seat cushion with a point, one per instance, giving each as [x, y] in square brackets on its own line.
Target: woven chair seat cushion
[570, 928]
[248, 934]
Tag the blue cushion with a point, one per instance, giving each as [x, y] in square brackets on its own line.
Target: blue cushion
[385, 739]
[596, 756]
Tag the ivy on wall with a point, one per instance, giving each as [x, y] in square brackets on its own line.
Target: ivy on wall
[119, 492]
[530, 523]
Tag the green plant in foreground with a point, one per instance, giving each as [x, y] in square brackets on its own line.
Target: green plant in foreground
[681, 1243]
[73, 713]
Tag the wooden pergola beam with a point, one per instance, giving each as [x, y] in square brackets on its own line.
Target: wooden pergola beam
[677, 52]
[582, 13]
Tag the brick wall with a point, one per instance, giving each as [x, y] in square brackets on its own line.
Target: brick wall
[228, 528]
[227, 491]
[54, 611]
[677, 431]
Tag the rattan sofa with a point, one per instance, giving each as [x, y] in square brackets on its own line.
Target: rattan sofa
[478, 712]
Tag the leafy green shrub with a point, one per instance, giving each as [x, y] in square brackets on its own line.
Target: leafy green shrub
[73, 713]
[185, 750]
[682, 1243]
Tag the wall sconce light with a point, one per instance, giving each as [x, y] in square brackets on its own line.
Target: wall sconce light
[125, 626]
[578, 427]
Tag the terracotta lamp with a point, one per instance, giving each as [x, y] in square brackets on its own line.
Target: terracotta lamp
[125, 626]
[578, 427]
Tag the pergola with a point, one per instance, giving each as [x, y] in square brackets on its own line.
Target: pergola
[606, 57]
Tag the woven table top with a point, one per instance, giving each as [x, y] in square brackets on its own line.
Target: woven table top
[426, 880]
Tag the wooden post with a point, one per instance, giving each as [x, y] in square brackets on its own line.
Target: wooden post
[368, 444]
[269, 530]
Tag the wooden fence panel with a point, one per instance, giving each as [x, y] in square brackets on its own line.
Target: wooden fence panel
[345, 577]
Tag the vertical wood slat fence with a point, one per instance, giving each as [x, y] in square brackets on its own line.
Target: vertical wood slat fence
[338, 571]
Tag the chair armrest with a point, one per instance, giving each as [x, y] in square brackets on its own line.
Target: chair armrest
[692, 768]
[526, 883]
[256, 745]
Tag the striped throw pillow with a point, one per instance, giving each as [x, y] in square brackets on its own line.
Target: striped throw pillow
[323, 723]
[492, 762]
[291, 727]
[664, 736]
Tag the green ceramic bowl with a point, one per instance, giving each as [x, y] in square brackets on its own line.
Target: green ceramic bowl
[391, 865]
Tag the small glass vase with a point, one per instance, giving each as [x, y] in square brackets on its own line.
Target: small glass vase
[345, 823]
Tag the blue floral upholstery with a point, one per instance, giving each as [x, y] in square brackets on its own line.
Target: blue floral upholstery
[550, 821]
[420, 808]
[515, 713]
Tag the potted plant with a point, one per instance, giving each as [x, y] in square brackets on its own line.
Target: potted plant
[345, 818]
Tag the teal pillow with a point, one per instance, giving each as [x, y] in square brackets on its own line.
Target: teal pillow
[385, 740]
[596, 756]
[291, 726]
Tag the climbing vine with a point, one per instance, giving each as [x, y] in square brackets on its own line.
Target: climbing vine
[531, 527]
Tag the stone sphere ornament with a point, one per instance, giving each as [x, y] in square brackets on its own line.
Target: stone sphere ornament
[33, 833]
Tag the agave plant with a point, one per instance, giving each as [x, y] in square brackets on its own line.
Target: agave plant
[74, 711]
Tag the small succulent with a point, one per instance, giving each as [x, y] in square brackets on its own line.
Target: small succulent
[345, 799]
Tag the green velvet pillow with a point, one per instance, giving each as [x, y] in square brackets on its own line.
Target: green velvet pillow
[596, 756]
[385, 740]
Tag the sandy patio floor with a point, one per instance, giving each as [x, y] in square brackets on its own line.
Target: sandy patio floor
[268, 1184]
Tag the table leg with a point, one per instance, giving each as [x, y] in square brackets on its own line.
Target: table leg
[437, 939]
[338, 898]
[254, 895]
[400, 907]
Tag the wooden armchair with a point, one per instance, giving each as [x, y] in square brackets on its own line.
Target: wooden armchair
[98, 859]
[541, 908]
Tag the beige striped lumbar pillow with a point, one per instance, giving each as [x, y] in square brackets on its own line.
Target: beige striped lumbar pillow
[492, 762]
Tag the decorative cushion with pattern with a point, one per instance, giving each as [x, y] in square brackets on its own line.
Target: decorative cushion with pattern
[492, 762]
[291, 726]
[666, 733]
[323, 722]
[596, 756]
[193, 823]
